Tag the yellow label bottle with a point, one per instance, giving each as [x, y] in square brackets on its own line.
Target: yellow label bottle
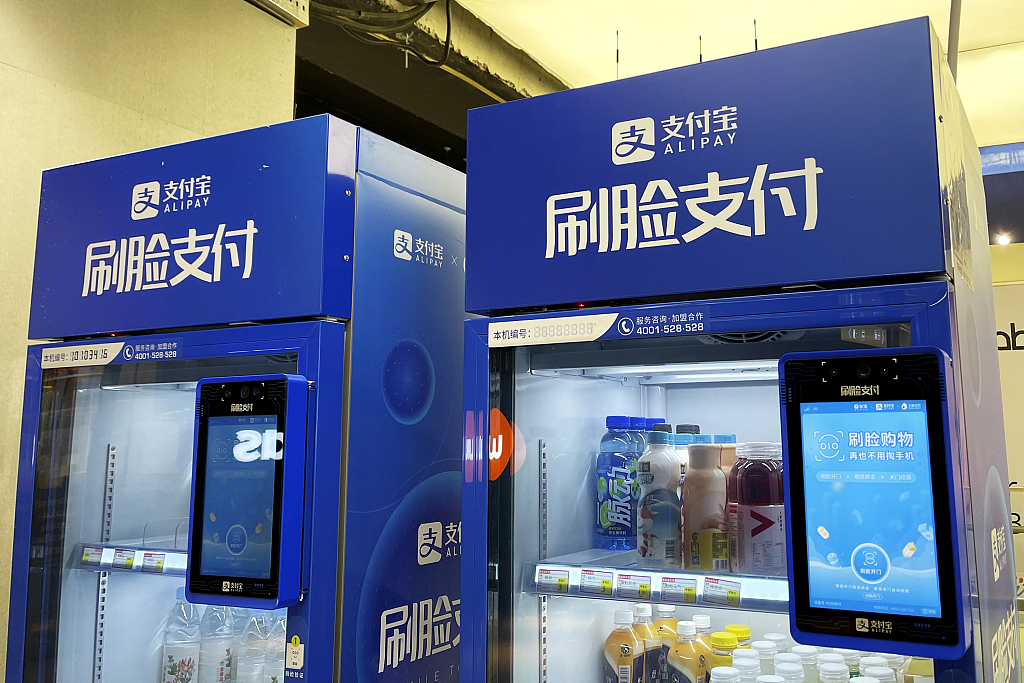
[742, 633]
[722, 644]
[623, 652]
[687, 660]
[665, 625]
[647, 634]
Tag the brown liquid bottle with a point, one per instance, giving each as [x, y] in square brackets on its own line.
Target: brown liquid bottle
[623, 660]
[760, 512]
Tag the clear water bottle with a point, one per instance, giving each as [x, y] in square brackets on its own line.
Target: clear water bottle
[617, 490]
[273, 670]
[181, 642]
[638, 429]
[252, 648]
[217, 630]
[240, 615]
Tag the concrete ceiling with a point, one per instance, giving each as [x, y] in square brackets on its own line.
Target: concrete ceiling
[576, 40]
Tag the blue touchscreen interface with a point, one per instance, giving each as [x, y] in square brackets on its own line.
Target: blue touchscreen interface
[238, 505]
[868, 504]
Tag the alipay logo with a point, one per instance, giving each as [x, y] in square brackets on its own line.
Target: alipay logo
[403, 245]
[145, 200]
[428, 542]
[633, 141]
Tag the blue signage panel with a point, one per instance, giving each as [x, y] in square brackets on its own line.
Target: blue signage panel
[242, 227]
[806, 163]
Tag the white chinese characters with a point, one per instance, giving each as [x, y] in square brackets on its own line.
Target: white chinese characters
[621, 217]
[177, 195]
[418, 631]
[138, 263]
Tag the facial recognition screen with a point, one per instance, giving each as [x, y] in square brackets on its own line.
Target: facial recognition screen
[238, 506]
[870, 518]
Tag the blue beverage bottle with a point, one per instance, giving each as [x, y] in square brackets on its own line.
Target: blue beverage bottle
[638, 428]
[617, 489]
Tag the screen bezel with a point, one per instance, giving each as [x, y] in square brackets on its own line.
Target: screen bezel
[898, 377]
[217, 400]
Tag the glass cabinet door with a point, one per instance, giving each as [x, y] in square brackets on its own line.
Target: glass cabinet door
[109, 522]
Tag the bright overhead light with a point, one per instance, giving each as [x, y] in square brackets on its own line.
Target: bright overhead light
[1002, 240]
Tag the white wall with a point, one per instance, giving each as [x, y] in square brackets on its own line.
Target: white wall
[81, 79]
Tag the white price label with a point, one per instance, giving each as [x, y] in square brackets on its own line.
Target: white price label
[553, 580]
[596, 582]
[634, 587]
[678, 589]
[80, 355]
[561, 330]
[722, 592]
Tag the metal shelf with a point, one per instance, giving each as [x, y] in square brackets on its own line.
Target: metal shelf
[107, 557]
[600, 575]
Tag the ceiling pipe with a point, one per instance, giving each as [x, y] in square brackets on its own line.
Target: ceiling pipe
[953, 44]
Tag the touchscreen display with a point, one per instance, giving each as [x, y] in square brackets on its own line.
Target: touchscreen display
[238, 505]
[869, 510]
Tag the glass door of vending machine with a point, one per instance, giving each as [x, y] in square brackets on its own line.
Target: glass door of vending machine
[105, 479]
[575, 517]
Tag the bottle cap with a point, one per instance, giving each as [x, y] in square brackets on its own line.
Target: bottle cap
[745, 663]
[882, 673]
[725, 438]
[686, 628]
[661, 427]
[637, 423]
[777, 455]
[652, 421]
[180, 593]
[850, 657]
[764, 648]
[724, 640]
[705, 454]
[864, 679]
[833, 673]
[741, 631]
[684, 439]
[775, 637]
[702, 438]
[770, 679]
[756, 450]
[808, 653]
[617, 421]
[746, 653]
[793, 673]
[641, 609]
[665, 611]
[623, 617]
[871, 660]
[659, 437]
[833, 667]
[830, 658]
[788, 658]
[725, 674]
[701, 621]
[892, 661]
[687, 429]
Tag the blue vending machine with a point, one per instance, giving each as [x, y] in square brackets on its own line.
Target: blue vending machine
[312, 267]
[650, 248]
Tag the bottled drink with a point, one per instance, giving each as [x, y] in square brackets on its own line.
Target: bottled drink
[749, 667]
[760, 502]
[883, 673]
[770, 678]
[865, 679]
[728, 442]
[616, 487]
[240, 617]
[651, 639]
[649, 423]
[687, 429]
[687, 659]
[732, 510]
[830, 658]
[742, 633]
[833, 672]
[766, 652]
[273, 668]
[658, 513]
[790, 672]
[705, 528]
[788, 658]
[702, 622]
[181, 641]
[725, 674]
[252, 648]
[916, 670]
[781, 640]
[809, 660]
[217, 630]
[665, 627]
[870, 660]
[894, 662]
[623, 651]
[723, 644]
[638, 429]
[851, 658]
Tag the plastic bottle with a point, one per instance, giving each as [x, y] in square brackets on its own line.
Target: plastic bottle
[651, 639]
[809, 660]
[217, 629]
[851, 658]
[702, 622]
[833, 672]
[732, 509]
[723, 644]
[894, 662]
[649, 423]
[788, 658]
[725, 674]
[638, 429]
[687, 658]
[749, 667]
[705, 527]
[863, 679]
[728, 442]
[916, 670]
[870, 660]
[181, 641]
[781, 640]
[240, 618]
[658, 513]
[883, 673]
[766, 652]
[790, 672]
[616, 489]
[252, 648]
[687, 429]
[830, 658]
[623, 651]
[742, 633]
[273, 670]
[665, 627]
[770, 678]
[703, 438]
[759, 501]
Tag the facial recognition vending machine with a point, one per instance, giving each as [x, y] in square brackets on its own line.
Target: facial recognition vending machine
[672, 236]
[248, 402]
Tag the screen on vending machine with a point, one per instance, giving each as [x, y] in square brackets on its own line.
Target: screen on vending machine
[869, 515]
[238, 506]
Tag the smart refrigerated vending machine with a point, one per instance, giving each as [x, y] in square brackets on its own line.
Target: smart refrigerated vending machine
[649, 248]
[292, 294]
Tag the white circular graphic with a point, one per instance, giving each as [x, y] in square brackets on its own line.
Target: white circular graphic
[626, 326]
[870, 563]
[128, 352]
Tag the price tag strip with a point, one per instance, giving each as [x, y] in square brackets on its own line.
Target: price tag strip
[721, 592]
[552, 580]
[679, 589]
[110, 558]
[634, 587]
[597, 582]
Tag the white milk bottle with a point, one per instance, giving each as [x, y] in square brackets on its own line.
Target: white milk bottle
[658, 514]
[181, 641]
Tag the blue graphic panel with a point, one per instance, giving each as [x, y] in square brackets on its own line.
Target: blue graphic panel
[869, 510]
[807, 163]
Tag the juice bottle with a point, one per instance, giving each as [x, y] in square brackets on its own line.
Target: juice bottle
[749, 667]
[705, 527]
[728, 442]
[760, 519]
[722, 645]
[616, 490]
[851, 658]
[766, 652]
[732, 509]
[623, 652]
[703, 624]
[742, 633]
[687, 659]
[658, 513]
[651, 639]
[809, 659]
[665, 626]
